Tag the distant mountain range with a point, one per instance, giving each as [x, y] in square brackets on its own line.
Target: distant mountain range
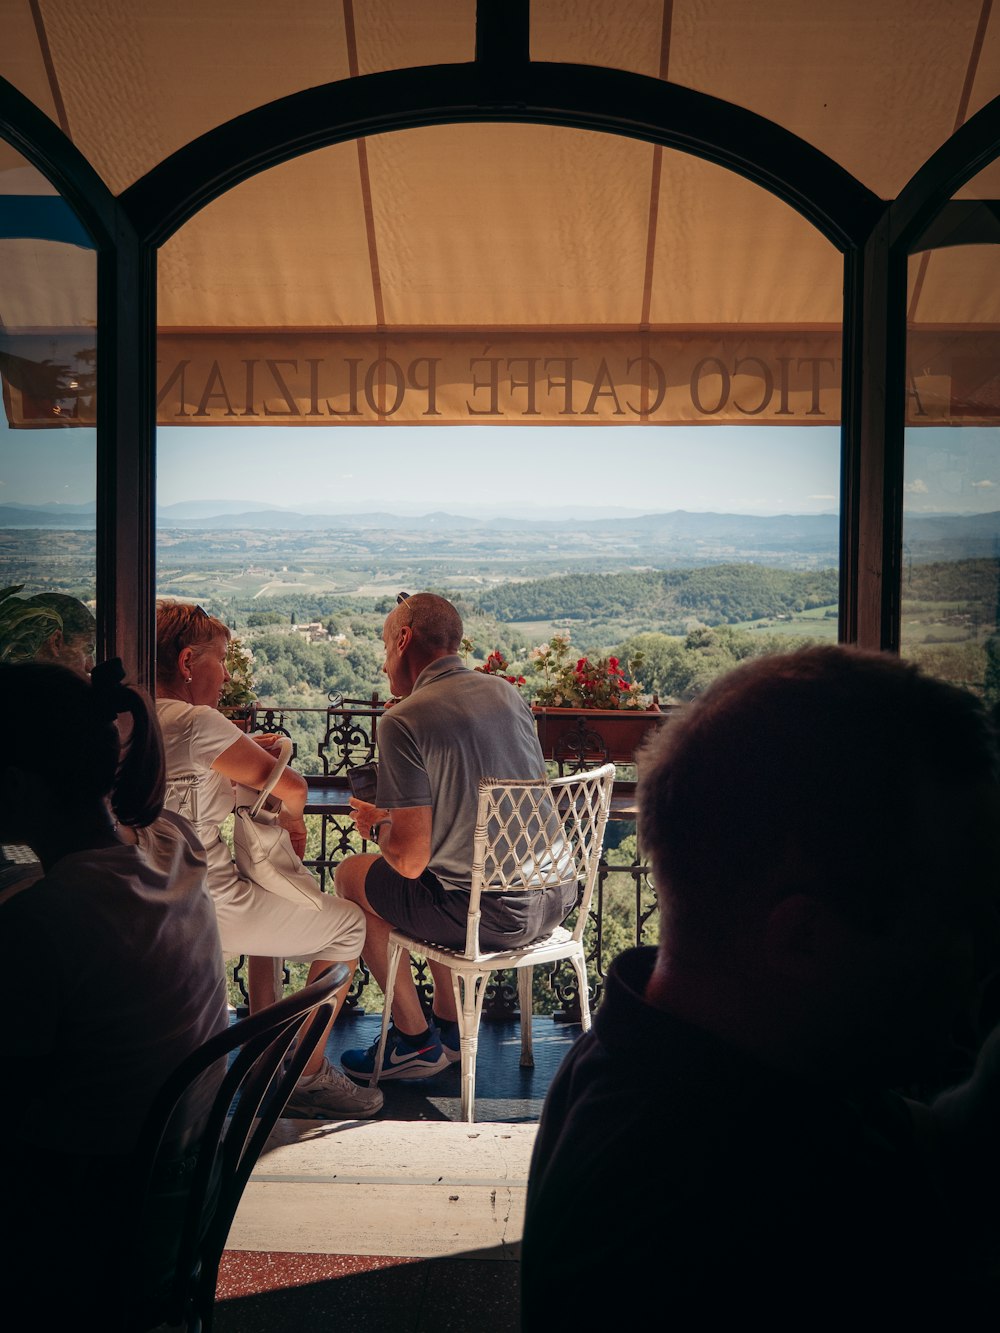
[928, 536]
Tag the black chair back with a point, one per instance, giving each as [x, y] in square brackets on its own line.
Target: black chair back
[190, 1199]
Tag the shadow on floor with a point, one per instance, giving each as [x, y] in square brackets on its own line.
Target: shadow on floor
[407, 1296]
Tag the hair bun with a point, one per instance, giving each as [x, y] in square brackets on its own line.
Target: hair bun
[110, 696]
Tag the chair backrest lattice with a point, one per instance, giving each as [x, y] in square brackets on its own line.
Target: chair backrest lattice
[539, 834]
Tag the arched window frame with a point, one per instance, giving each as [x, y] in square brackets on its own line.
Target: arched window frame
[126, 342]
[503, 85]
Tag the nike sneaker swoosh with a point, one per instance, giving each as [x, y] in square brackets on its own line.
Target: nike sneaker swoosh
[397, 1058]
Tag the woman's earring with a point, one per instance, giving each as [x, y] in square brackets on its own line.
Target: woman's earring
[188, 680]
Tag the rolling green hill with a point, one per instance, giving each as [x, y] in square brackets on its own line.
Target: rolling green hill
[667, 599]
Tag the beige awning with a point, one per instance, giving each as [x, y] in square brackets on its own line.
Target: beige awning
[491, 272]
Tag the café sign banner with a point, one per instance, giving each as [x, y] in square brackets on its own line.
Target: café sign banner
[530, 378]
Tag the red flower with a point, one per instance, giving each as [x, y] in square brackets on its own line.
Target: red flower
[612, 665]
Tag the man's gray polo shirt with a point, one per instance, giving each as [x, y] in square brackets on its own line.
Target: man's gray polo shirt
[456, 727]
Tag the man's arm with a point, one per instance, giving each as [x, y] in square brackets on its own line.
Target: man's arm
[403, 836]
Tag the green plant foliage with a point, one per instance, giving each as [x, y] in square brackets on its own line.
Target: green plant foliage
[238, 691]
[959, 581]
[680, 668]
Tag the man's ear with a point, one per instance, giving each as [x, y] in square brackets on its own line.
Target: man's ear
[49, 649]
[404, 638]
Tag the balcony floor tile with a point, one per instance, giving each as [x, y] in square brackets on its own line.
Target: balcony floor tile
[411, 1221]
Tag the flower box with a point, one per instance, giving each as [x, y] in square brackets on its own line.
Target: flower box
[579, 738]
[242, 716]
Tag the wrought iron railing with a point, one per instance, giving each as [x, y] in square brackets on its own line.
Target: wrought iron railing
[343, 735]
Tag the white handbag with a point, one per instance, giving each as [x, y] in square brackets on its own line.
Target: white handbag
[262, 848]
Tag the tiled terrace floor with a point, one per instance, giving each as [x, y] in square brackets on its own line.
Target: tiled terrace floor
[411, 1222]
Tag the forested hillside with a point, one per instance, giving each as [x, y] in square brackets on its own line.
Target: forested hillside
[952, 581]
[666, 599]
[685, 626]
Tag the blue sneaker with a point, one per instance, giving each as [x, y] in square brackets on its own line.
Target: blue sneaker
[451, 1042]
[403, 1058]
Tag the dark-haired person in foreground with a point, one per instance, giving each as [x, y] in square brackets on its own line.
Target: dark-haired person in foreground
[63, 631]
[110, 974]
[823, 829]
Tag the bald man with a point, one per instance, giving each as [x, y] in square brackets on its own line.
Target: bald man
[451, 728]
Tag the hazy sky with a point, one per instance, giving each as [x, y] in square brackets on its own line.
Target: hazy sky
[742, 469]
[454, 467]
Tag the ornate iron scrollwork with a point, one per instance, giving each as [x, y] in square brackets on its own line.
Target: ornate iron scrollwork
[500, 1001]
[424, 983]
[580, 748]
[349, 739]
[273, 721]
[239, 980]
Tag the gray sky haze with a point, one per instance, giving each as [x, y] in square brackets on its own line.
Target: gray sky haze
[511, 470]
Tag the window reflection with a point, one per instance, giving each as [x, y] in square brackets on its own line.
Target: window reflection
[951, 501]
[48, 355]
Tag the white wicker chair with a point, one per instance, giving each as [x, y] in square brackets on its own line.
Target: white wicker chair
[530, 834]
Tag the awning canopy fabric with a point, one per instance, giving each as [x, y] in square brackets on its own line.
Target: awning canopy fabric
[496, 272]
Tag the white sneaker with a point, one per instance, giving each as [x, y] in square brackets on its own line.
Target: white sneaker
[330, 1095]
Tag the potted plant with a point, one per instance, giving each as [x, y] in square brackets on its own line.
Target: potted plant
[589, 710]
[238, 697]
[496, 665]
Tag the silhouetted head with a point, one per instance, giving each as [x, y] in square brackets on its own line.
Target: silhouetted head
[63, 753]
[823, 824]
[74, 643]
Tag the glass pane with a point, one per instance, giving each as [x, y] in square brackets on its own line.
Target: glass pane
[951, 501]
[539, 370]
[48, 354]
[661, 468]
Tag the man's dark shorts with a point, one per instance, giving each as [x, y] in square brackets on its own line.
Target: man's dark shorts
[426, 910]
